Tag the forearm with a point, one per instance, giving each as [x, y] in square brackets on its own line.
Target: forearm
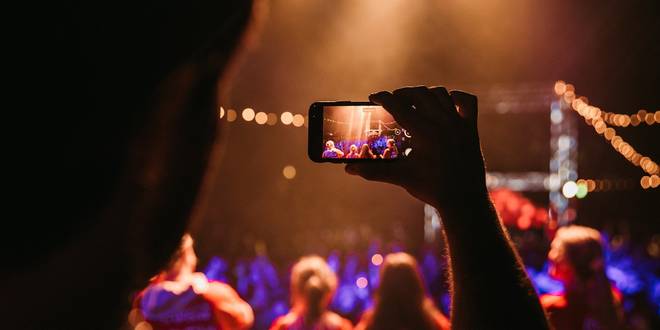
[490, 288]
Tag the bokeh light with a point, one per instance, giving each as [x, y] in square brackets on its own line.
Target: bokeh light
[298, 120]
[248, 114]
[377, 259]
[289, 172]
[272, 119]
[569, 189]
[261, 118]
[231, 115]
[361, 282]
[222, 112]
[286, 118]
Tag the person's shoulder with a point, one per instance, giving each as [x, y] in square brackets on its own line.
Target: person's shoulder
[284, 322]
[553, 301]
[336, 321]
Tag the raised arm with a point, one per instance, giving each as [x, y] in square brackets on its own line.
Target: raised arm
[490, 289]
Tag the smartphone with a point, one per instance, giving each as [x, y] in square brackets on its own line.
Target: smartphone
[345, 132]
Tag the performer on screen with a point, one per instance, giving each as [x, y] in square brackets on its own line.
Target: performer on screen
[391, 151]
[365, 152]
[331, 151]
[353, 153]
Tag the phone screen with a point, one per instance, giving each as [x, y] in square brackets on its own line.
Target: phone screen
[362, 132]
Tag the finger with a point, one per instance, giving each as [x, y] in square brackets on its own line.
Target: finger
[467, 105]
[389, 172]
[445, 99]
[424, 101]
[401, 112]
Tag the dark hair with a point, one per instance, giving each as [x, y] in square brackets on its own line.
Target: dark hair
[400, 301]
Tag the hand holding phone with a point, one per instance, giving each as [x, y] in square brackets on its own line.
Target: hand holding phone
[445, 164]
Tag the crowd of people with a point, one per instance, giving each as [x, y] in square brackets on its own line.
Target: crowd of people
[128, 147]
[394, 293]
[365, 151]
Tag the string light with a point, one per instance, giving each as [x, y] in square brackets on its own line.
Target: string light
[600, 120]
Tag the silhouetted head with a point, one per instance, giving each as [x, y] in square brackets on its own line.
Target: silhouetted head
[400, 300]
[312, 285]
[400, 280]
[119, 132]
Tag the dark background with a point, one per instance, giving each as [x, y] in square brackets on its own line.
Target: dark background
[344, 50]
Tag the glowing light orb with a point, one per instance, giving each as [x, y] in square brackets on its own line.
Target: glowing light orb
[248, 114]
[361, 282]
[231, 115]
[289, 172]
[286, 118]
[261, 118]
[569, 189]
[377, 259]
[298, 120]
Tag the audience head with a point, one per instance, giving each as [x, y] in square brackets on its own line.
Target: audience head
[400, 300]
[353, 148]
[576, 254]
[400, 279]
[312, 285]
[330, 144]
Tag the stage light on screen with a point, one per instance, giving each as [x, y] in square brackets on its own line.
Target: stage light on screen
[289, 172]
[569, 189]
[261, 118]
[361, 282]
[298, 120]
[286, 118]
[377, 259]
[231, 115]
[248, 114]
[272, 119]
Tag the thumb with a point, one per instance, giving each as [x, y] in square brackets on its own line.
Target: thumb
[467, 105]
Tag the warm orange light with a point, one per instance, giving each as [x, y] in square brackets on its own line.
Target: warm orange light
[248, 114]
[286, 118]
[560, 87]
[272, 119]
[634, 120]
[231, 115]
[649, 119]
[289, 172]
[377, 259]
[261, 118]
[655, 181]
[222, 112]
[298, 120]
[591, 185]
[645, 182]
